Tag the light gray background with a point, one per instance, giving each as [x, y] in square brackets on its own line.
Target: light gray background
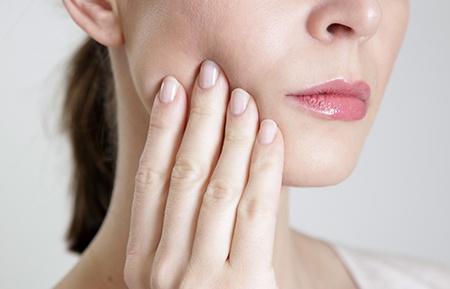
[397, 200]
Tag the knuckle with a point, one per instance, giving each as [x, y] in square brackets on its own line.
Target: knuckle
[198, 278]
[186, 172]
[160, 120]
[147, 175]
[133, 277]
[158, 278]
[263, 163]
[201, 109]
[190, 282]
[132, 252]
[218, 191]
[255, 209]
[158, 282]
[237, 136]
[163, 274]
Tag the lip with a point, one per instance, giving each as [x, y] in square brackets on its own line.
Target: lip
[336, 99]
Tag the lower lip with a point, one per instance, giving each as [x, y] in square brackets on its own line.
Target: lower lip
[330, 106]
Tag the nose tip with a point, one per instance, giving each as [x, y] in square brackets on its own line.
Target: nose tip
[357, 19]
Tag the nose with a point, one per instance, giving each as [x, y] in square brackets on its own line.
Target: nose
[330, 20]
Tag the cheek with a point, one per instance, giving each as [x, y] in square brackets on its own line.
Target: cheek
[248, 40]
[161, 41]
[174, 37]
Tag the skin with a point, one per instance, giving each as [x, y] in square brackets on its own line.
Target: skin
[210, 188]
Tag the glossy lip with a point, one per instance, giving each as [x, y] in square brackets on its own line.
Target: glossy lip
[336, 99]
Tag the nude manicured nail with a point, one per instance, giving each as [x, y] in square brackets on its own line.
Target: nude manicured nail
[209, 72]
[168, 90]
[239, 101]
[267, 132]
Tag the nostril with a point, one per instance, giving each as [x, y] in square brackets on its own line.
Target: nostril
[335, 28]
[331, 21]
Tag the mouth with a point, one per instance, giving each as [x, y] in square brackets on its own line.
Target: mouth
[336, 100]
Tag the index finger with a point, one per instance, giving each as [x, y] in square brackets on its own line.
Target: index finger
[167, 122]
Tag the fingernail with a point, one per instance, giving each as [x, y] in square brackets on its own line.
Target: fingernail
[267, 132]
[209, 72]
[168, 90]
[239, 101]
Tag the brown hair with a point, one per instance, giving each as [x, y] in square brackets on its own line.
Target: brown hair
[89, 120]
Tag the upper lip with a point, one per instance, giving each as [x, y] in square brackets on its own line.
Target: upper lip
[338, 87]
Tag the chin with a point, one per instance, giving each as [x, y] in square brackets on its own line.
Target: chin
[318, 168]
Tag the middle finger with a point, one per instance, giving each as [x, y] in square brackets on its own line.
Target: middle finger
[195, 161]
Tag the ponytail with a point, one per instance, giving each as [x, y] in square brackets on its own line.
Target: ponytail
[89, 120]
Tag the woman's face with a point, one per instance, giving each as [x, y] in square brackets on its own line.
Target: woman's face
[273, 48]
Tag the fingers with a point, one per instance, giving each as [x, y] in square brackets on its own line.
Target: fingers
[167, 123]
[212, 209]
[195, 161]
[217, 215]
[253, 240]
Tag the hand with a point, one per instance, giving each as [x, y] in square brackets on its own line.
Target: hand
[207, 191]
